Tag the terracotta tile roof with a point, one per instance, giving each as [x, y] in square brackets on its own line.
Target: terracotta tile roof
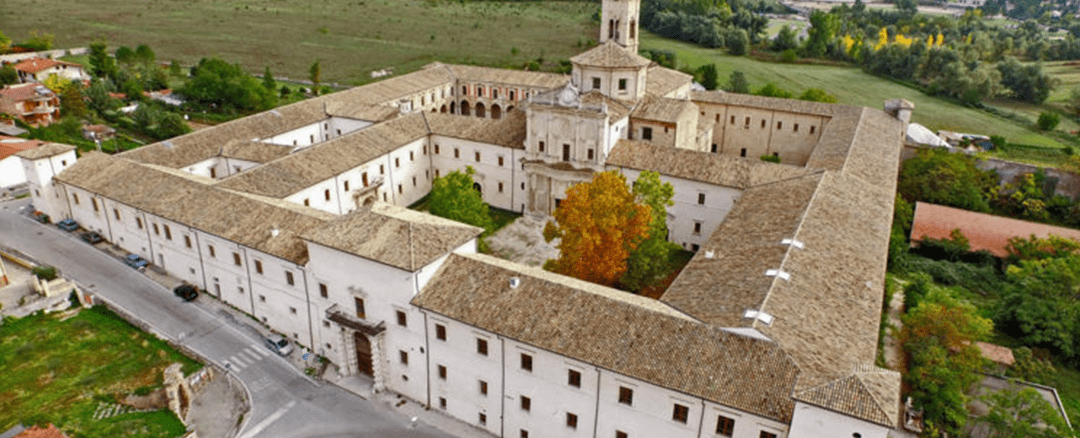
[662, 81]
[45, 150]
[40, 432]
[868, 393]
[389, 91]
[191, 200]
[469, 73]
[297, 171]
[984, 231]
[614, 330]
[254, 151]
[719, 169]
[27, 91]
[508, 131]
[996, 353]
[663, 109]
[12, 145]
[393, 235]
[360, 111]
[34, 65]
[610, 54]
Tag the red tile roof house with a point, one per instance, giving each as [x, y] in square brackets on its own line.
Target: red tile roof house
[984, 231]
[34, 103]
[39, 69]
[34, 432]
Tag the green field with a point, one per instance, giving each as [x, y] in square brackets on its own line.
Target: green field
[59, 371]
[852, 86]
[776, 24]
[350, 39]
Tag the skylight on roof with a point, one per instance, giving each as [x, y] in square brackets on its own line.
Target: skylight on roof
[778, 273]
[758, 315]
[792, 242]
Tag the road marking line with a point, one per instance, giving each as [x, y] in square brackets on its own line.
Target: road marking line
[255, 357]
[268, 420]
[261, 350]
[237, 362]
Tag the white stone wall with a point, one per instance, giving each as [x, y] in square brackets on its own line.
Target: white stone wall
[489, 173]
[810, 421]
[556, 128]
[609, 82]
[210, 168]
[11, 171]
[39, 175]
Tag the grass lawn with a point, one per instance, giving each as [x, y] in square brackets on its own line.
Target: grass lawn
[776, 24]
[499, 217]
[59, 371]
[350, 39]
[852, 86]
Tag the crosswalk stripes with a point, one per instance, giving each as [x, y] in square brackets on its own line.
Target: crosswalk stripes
[237, 362]
[249, 354]
[260, 349]
[247, 357]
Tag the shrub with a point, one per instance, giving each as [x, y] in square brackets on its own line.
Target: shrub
[770, 158]
[47, 273]
[1048, 120]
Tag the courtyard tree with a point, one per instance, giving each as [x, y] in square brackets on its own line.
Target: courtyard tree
[649, 261]
[1022, 413]
[218, 84]
[453, 197]
[600, 224]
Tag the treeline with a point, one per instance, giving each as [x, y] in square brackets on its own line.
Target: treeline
[130, 73]
[710, 23]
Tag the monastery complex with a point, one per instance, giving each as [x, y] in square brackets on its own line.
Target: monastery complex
[296, 216]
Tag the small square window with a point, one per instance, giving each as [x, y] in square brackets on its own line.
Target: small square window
[262, 298]
[724, 425]
[626, 396]
[401, 319]
[621, 434]
[574, 378]
[526, 403]
[571, 420]
[483, 419]
[403, 357]
[595, 83]
[681, 413]
[442, 403]
[327, 325]
[289, 278]
[765, 434]
[292, 310]
[646, 133]
[701, 198]
[622, 84]
[442, 372]
[440, 332]
[526, 362]
[482, 346]
[236, 258]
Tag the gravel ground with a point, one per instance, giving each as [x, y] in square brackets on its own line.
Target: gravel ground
[523, 242]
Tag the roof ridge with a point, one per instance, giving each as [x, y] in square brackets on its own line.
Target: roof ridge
[853, 377]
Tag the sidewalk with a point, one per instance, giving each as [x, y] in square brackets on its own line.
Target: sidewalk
[217, 409]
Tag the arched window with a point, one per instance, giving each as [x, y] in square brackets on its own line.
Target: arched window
[480, 110]
[464, 90]
[496, 112]
[443, 109]
[464, 107]
[509, 108]
[453, 107]
[611, 29]
[476, 186]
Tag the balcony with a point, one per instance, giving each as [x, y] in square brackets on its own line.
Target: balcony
[335, 314]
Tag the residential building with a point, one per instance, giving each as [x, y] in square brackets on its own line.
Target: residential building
[40, 69]
[11, 170]
[33, 103]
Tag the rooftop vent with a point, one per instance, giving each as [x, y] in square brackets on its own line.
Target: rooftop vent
[792, 242]
[758, 315]
[710, 254]
[515, 282]
[778, 273]
[275, 232]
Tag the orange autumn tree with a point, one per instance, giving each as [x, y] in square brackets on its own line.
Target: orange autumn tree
[600, 223]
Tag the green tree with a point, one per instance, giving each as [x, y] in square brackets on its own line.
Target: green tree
[145, 54]
[738, 42]
[709, 77]
[785, 39]
[5, 42]
[453, 197]
[268, 80]
[649, 261]
[771, 90]
[1048, 120]
[939, 338]
[823, 28]
[600, 224]
[1022, 413]
[124, 55]
[737, 83]
[817, 95]
[1027, 83]
[174, 69]
[101, 64]
[218, 84]
[38, 42]
[940, 177]
[8, 75]
[315, 75]
[1041, 305]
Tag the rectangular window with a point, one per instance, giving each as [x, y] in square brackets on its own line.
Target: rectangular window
[442, 372]
[762, 123]
[701, 198]
[94, 201]
[765, 434]
[500, 160]
[697, 227]
[414, 181]
[571, 420]
[323, 290]
[811, 129]
[500, 187]
[402, 320]
[596, 83]
[732, 120]
[574, 378]
[289, 278]
[307, 202]
[796, 130]
[440, 332]
[382, 169]
[695, 247]
[526, 362]
[397, 162]
[483, 419]
[75, 196]
[210, 247]
[482, 346]
[565, 152]
[236, 258]
[399, 189]
[626, 396]
[157, 231]
[541, 146]
[404, 357]
[742, 153]
[526, 403]
[646, 133]
[621, 434]
[680, 413]
[779, 125]
[477, 156]
[457, 153]
[363, 179]
[138, 222]
[747, 122]
[436, 149]
[714, 148]
[411, 156]
[483, 387]
[359, 302]
[258, 267]
[724, 425]
[116, 213]
[622, 84]
[187, 241]
[590, 154]
[442, 403]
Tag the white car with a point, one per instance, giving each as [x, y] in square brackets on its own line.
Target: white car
[279, 344]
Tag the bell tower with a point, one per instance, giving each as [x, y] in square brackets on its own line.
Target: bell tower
[619, 22]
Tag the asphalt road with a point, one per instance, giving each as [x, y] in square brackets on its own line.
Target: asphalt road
[284, 402]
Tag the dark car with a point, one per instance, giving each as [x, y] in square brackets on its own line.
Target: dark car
[136, 261]
[187, 292]
[92, 237]
[41, 217]
[67, 225]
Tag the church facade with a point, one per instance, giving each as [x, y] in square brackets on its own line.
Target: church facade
[296, 216]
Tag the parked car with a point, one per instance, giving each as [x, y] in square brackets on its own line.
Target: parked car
[136, 261]
[40, 217]
[68, 225]
[92, 237]
[187, 292]
[279, 344]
